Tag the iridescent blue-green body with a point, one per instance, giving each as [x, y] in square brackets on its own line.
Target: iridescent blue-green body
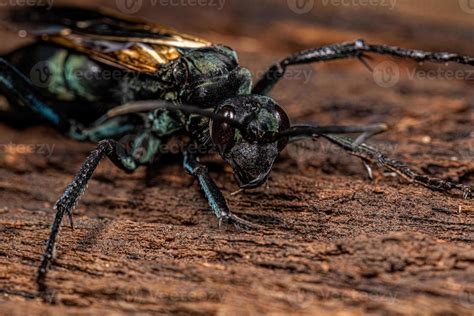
[79, 88]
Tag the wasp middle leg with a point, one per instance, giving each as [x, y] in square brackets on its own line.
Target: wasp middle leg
[371, 155]
[117, 153]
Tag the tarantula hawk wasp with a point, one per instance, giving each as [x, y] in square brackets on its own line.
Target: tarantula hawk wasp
[169, 84]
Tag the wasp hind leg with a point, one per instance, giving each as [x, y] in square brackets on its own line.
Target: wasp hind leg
[25, 104]
[15, 86]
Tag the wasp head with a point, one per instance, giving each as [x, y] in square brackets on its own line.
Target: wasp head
[245, 148]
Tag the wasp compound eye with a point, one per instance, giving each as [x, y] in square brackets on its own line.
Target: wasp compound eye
[222, 133]
[283, 124]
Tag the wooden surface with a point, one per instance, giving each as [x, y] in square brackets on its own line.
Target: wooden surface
[333, 242]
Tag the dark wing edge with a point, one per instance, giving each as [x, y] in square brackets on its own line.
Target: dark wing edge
[104, 35]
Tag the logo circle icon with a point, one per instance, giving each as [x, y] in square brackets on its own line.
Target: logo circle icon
[127, 144]
[386, 74]
[41, 74]
[301, 6]
[129, 6]
[467, 6]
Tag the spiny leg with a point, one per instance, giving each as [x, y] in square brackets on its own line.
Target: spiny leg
[350, 50]
[117, 154]
[296, 132]
[214, 196]
[370, 154]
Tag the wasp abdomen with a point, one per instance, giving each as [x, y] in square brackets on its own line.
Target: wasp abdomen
[64, 75]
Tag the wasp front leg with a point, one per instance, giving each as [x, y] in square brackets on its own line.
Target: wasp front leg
[213, 194]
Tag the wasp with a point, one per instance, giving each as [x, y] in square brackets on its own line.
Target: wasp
[163, 84]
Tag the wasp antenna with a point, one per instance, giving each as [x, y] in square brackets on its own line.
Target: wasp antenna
[298, 131]
[139, 106]
[148, 106]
